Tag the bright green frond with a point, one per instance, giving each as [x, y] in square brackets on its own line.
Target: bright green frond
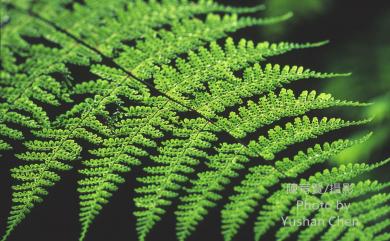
[260, 178]
[161, 84]
[272, 107]
[177, 158]
[301, 129]
[251, 189]
[202, 194]
[282, 202]
[256, 81]
[128, 142]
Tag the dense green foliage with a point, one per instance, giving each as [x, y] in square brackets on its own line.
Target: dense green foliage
[171, 88]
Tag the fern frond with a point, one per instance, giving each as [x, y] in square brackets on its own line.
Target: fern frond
[23, 86]
[283, 95]
[272, 107]
[301, 129]
[255, 184]
[345, 173]
[376, 228]
[131, 137]
[202, 195]
[27, 78]
[69, 127]
[59, 146]
[40, 86]
[253, 188]
[217, 53]
[10, 133]
[325, 214]
[315, 155]
[279, 202]
[256, 81]
[177, 158]
[215, 67]
[159, 48]
[148, 17]
[371, 215]
[89, 212]
[167, 94]
[352, 212]
[231, 157]
[34, 179]
[357, 190]
[382, 237]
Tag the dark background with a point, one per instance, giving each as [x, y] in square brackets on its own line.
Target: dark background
[57, 218]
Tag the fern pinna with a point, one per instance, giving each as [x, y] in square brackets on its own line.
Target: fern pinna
[173, 89]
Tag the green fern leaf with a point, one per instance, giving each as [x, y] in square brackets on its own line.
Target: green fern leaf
[255, 184]
[279, 202]
[160, 91]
